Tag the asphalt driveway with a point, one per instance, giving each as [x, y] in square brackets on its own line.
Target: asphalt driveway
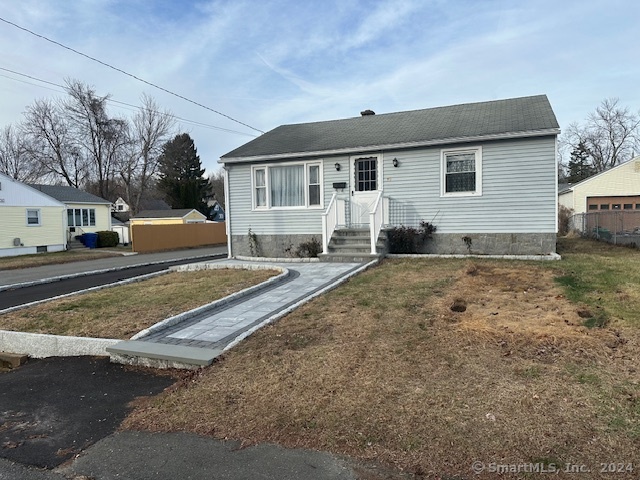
[52, 409]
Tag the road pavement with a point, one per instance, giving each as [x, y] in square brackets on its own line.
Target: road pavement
[38, 274]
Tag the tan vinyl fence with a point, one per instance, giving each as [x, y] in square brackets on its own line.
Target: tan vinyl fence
[155, 238]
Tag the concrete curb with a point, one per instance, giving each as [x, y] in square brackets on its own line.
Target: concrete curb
[278, 259]
[168, 322]
[87, 290]
[39, 345]
[549, 257]
[298, 304]
[94, 272]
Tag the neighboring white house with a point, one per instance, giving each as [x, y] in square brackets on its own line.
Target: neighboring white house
[614, 189]
[483, 173]
[32, 222]
[120, 206]
[86, 213]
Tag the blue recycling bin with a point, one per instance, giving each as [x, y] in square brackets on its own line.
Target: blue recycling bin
[91, 240]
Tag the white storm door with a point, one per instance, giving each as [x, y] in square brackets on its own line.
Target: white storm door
[366, 182]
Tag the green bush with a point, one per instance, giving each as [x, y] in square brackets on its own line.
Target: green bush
[409, 239]
[312, 248]
[107, 239]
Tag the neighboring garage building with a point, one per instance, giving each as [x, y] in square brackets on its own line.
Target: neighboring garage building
[168, 217]
[615, 189]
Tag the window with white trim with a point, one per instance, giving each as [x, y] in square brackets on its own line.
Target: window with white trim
[462, 172]
[81, 217]
[33, 217]
[287, 186]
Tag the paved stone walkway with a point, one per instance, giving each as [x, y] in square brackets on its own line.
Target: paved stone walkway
[200, 338]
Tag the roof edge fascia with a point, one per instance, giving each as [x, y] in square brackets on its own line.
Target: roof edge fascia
[393, 146]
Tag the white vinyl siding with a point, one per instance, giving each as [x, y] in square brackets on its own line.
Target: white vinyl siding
[518, 189]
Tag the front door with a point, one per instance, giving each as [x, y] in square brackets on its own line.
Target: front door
[366, 181]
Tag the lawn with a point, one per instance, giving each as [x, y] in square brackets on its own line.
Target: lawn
[39, 259]
[382, 369]
[121, 312]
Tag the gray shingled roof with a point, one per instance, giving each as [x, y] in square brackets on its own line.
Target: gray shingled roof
[69, 194]
[472, 121]
[174, 213]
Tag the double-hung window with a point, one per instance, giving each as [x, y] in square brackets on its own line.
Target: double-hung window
[281, 186]
[33, 217]
[461, 172]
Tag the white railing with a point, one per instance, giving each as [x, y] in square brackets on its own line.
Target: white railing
[329, 222]
[376, 220]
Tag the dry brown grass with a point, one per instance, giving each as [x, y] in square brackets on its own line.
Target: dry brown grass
[37, 260]
[381, 369]
[121, 312]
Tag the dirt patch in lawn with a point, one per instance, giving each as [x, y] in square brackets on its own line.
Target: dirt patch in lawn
[121, 312]
[381, 369]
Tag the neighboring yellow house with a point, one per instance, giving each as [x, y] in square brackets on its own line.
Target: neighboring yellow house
[86, 213]
[32, 222]
[168, 217]
[614, 189]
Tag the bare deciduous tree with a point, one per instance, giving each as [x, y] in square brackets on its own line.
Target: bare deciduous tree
[150, 130]
[15, 160]
[51, 144]
[609, 136]
[216, 180]
[103, 139]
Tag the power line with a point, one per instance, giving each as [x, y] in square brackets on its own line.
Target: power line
[123, 103]
[129, 74]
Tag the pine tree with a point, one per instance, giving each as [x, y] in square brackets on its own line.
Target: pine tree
[181, 175]
[580, 166]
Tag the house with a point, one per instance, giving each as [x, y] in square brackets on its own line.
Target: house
[32, 222]
[615, 189]
[483, 173]
[120, 206]
[167, 217]
[86, 213]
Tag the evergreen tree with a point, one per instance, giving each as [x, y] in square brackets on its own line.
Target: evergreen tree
[580, 166]
[181, 175]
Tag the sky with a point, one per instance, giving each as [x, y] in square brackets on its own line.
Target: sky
[266, 63]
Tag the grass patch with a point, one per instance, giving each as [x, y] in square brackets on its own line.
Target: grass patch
[121, 312]
[602, 277]
[382, 369]
[53, 258]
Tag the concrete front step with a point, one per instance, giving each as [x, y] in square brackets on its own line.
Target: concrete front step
[348, 257]
[163, 355]
[9, 361]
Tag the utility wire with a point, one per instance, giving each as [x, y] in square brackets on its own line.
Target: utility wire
[129, 74]
[110, 100]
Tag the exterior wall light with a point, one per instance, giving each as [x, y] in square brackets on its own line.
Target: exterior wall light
[337, 165]
[395, 162]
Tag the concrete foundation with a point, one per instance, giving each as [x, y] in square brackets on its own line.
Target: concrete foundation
[491, 244]
[272, 246]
